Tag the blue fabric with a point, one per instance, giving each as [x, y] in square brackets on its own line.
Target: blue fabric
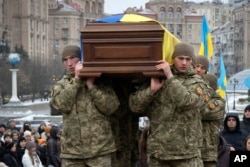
[111, 19]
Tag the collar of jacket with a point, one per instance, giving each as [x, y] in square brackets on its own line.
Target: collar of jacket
[189, 72]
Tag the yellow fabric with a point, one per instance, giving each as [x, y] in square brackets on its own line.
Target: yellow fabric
[135, 18]
[169, 40]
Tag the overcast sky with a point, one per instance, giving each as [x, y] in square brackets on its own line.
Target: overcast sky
[119, 6]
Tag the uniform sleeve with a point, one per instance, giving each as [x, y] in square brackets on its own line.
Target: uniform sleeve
[215, 110]
[105, 99]
[140, 100]
[64, 94]
[185, 97]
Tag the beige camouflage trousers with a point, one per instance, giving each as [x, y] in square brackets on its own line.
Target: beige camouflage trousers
[193, 162]
[101, 161]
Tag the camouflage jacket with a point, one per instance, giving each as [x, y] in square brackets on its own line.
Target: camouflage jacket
[212, 118]
[86, 117]
[175, 116]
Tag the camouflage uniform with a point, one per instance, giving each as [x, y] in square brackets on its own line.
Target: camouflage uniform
[212, 118]
[86, 131]
[175, 119]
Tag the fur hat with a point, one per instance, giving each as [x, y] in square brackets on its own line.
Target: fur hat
[202, 60]
[71, 50]
[26, 133]
[212, 79]
[30, 145]
[183, 49]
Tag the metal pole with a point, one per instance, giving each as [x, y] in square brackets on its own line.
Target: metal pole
[234, 96]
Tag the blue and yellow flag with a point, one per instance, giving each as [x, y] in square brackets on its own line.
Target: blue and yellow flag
[206, 48]
[169, 40]
[222, 80]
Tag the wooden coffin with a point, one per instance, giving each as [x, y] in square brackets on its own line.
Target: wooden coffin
[121, 49]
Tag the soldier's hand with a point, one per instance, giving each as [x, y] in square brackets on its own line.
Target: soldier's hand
[78, 68]
[156, 84]
[90, 83]
[165, 67]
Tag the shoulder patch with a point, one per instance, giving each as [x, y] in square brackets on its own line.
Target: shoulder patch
[211, 105]
[206, 98]
[199, 90]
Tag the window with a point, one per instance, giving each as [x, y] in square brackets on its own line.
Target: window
[170, 13]
[171, 27]
[56, 20]
[56, 43]
[178, 13]
[65, 33]
[65, 42]
[162, 13]
[65, 21]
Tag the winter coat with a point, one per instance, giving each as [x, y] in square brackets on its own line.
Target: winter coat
[175, 116]
[223, 153]
[245, 124]
[11, 159]
[53, 149]
[86, 117]
[236, 137]
[27, 162]
[20, 153]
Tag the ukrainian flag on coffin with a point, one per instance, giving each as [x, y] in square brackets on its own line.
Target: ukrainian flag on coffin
[206, 48]
[169, 40]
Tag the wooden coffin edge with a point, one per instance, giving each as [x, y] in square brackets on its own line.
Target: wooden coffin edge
[126, 68]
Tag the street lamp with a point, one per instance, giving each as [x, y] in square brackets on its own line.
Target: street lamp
[234, 82]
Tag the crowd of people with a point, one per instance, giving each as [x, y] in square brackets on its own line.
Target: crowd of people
[29, 147]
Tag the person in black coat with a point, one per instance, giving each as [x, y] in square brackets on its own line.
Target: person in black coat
[232, 132]
[53, 148]
[223, 153]
[10, 157]
[245, 123]
[20, 148]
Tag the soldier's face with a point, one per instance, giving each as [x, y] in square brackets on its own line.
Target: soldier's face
[182, 63]
[200, 69]
[70, 62]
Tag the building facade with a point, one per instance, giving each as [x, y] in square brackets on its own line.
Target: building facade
[241, 14]
[223, 38]
[24, 27]
[183, 24]
[66, 18]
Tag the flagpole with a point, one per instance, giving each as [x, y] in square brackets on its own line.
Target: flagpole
[227, 102]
